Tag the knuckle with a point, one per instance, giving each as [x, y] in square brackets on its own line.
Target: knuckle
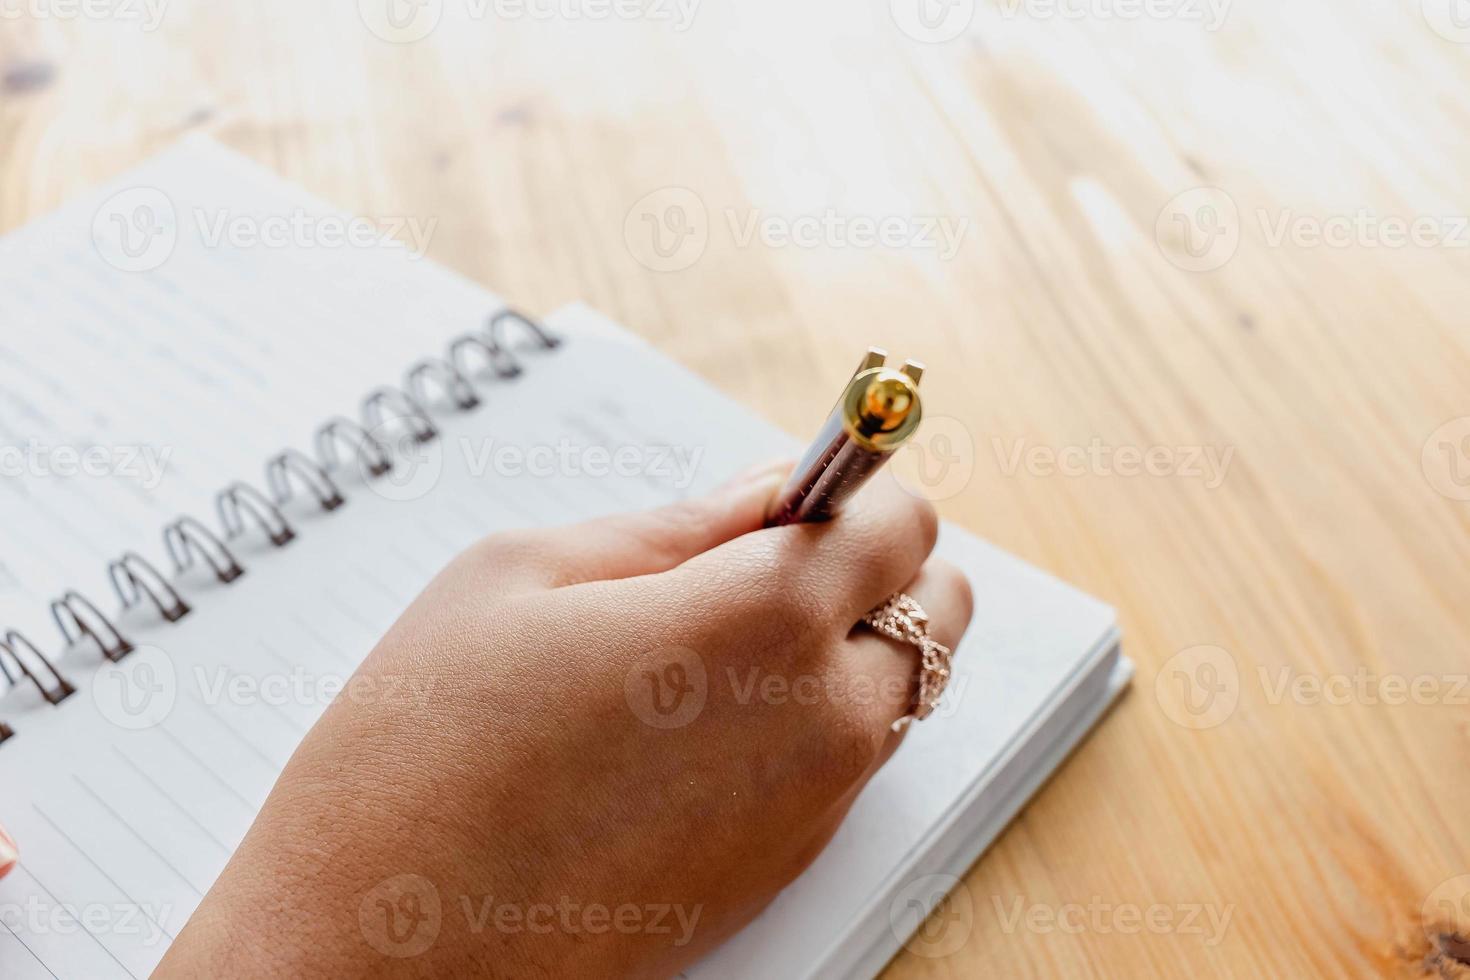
[957, 591]
[664, 531]
[508, 549]
[925, 523]
[850, 744]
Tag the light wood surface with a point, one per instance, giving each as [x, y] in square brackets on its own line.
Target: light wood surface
[1333, 550]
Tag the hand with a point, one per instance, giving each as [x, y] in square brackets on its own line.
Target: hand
[605, 779]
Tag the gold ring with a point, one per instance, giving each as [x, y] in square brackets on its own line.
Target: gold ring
[902, 618]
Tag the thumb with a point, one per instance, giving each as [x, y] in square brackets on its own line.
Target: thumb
[9, 854]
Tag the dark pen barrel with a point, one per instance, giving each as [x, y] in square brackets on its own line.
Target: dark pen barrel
[878, 412]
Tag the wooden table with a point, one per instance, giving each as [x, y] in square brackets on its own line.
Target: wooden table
[1172, 239]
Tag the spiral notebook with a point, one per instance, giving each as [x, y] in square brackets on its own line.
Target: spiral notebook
[181, 594]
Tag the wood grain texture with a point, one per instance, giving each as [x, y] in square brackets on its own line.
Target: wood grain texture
[1331, 828]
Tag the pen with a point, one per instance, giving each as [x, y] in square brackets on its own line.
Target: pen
[878, 412]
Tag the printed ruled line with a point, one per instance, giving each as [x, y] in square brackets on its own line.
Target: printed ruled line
[322, 641]
[134, 831]
[225, 727]
[27, 947]
[93, 862]
[391, 594]
[56, 903]
[224, 848]
[353, 614]
[432, 533]
[206, 768]
[275, 709]
[409, 560]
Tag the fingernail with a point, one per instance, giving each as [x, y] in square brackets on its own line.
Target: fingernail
[9, 854]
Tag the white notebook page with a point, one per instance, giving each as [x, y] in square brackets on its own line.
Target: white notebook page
[128, 797]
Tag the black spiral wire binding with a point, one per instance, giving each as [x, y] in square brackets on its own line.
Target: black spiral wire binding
[450, 381]
[495, 347]
[63, 688]
[278, 479]
[372, 453]
[540, 336]
[133, 577]
[186, 537]
[502, 363]
[240, 496]
[407, 409]
[74, 625]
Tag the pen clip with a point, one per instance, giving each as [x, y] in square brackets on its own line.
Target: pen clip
[876, 357]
